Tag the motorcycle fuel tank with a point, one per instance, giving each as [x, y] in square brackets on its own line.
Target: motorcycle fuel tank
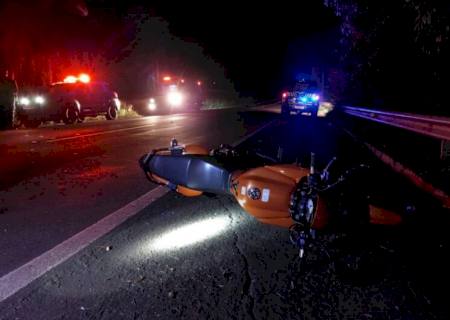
[265, 193]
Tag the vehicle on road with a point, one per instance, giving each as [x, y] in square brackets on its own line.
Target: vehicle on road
[172, 94]
[32, 108]
[303, 97]
[69, 101]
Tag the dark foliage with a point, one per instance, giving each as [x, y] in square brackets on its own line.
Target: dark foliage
[394, 54]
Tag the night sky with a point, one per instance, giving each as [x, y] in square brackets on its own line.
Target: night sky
[261, 46]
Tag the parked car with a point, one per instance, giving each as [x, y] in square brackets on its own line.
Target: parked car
[302, 98]
[172, 95]
[68, 101]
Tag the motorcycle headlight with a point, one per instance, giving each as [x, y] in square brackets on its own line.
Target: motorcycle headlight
[39, 100]
[25, 101]
[174, 98]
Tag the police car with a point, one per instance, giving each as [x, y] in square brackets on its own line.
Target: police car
[69, 101]
[302, 98]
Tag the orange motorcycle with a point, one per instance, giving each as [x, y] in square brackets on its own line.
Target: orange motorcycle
[285, 195]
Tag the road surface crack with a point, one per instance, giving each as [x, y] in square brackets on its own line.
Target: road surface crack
[247, 286]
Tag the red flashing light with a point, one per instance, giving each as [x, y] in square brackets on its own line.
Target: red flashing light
[167, 78]
[199, 83]
[284, 95]
[85, 78]
[70, 79]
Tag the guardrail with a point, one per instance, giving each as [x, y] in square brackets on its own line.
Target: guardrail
[432, 126]
[436, 127]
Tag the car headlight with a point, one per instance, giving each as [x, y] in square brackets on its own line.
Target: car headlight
[24, 101]
[152, 104]
[117, 103]
[174, 98]
[39, 100]
[315, 97]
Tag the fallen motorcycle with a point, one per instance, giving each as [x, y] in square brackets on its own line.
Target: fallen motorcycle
[286, 195]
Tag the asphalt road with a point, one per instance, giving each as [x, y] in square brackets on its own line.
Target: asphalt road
[57, 180]
[201, 258]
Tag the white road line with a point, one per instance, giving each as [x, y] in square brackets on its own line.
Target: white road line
[24, 275]
[19, 278]
[99, 133]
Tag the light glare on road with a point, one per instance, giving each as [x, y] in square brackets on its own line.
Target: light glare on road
[191, 233]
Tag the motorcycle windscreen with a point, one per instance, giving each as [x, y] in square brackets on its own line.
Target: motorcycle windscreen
[193, 172]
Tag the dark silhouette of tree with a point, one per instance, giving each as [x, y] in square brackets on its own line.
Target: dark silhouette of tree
[395, 53]
[33, 33]
[44, 41]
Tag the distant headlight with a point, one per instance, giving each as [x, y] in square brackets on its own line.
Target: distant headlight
[152, 104]
[39, 100]
[175, 98]
[24, 101]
